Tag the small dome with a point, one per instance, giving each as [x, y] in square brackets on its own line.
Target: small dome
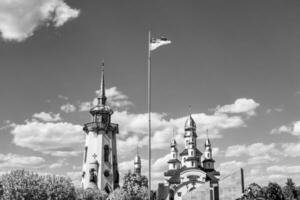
[137, 159]
[207, 142]
[173, 143]
[101, 109]
[190, 123]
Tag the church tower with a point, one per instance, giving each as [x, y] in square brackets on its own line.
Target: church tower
[100, 164]
[137, 163]
[208, 162]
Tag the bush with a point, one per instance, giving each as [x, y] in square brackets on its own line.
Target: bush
[21, 184]
[90, 194]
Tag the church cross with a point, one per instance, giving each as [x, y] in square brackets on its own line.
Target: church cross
[95, 156]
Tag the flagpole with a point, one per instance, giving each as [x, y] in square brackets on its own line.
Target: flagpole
[149, 115]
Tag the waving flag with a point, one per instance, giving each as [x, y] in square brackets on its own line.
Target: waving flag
[155, 43]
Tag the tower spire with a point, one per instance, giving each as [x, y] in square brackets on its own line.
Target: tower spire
[101, 95]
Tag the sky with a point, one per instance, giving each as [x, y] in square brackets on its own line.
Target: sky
[235, 63]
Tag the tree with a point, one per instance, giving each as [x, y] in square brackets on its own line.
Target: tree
[135, 185]
[25, 185]
[253, 191]
[289, 190]
[274, 192]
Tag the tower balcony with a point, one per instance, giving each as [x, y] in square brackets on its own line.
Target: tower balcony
[98, 126]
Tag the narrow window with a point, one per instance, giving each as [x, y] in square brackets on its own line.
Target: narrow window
[85, 153]
[106, 153]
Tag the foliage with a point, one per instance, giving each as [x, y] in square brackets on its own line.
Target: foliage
[274, 192]
[91, 194]
[253, 191]
[289, 190]
[135, 186]
[21, 184]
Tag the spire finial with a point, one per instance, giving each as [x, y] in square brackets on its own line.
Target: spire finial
[190, 110]
[101, 96]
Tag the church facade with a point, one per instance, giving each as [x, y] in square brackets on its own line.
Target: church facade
[100, 161]
[190, 169]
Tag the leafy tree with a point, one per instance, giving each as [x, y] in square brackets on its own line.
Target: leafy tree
[135, 186]
[25, 185]
[274, 192]
[289, 190]
[253, 191]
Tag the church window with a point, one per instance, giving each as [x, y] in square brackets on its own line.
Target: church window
[192, 163]
[192, 153]
[173, 155]
[106, 153]
[85, 153]
[173, 165]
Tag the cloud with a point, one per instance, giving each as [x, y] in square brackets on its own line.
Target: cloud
[63, 97]
[262, 159]
[230, 167]
[284, 169]
[75, 176]
[56, 139]
[242, 105]
[256, 149]
[59, 164]
[115, 98]
[19, 19]
[68, 108]
[293, 129]
[291, 149]
[47, 117]
[19, 161]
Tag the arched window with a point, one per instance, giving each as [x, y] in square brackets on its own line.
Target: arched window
[106, 153]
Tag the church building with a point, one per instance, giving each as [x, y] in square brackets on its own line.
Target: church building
[190, 169]
[100, 161]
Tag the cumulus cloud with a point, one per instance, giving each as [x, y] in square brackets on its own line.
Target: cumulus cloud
[291, 149]
[230, 167]
[19, 161]
[256, 149]
[57, 139]
[19, 19]
[293, 129]
[115, 98]
[68, 108]
[58, 164]
[284, 169]
[242, 105]
[47, 117]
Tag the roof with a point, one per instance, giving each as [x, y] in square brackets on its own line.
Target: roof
[191, 158]
[174, 161]
[190, 123]
[185, 152]
[208, 160]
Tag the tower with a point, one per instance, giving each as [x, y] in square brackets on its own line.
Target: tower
[137, 163]
[208, 162]
[174, 163]
[100, 164]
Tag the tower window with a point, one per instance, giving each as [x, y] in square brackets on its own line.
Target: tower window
[173, 155]
[106, 153]
[85, 153]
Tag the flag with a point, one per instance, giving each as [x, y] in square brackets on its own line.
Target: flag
[155, 43]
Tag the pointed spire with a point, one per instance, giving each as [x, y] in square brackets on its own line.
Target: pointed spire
[101, 95]
[207, 142]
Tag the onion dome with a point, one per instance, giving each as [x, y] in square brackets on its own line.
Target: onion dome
[137, 159]
[190, 123]
[173, 143]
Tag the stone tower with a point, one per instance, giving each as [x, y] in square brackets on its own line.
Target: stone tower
[100, 163]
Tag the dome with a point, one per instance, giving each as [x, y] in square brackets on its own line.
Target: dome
[98, 109]
[207, 142]
[190, 123]
[137, 159]
[173, 143]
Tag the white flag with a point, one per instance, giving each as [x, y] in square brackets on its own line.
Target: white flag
[155, 43]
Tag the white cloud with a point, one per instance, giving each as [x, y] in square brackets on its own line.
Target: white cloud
[236, 150]
[58, 164]
[284, 169]
[57, 139]
[291, 149]
[19, 161]
[242, 105]
[230, 167]
[19, 19]
[263, 159]
[47, 117]
[256, 149]
[115, 98]
[67, 108]
[293, 129]
[63, 97]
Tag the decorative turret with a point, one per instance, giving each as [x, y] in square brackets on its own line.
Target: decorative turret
[174, 163]
[137, 163]
[208, 162]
